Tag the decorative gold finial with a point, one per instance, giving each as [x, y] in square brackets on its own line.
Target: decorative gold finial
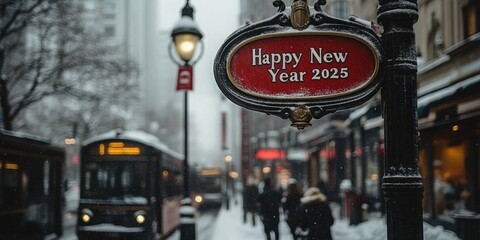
[301, 117]
[300, 16]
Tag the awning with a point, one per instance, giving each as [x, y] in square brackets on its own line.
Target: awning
[369, 111]
[314, 132]
[468, 86]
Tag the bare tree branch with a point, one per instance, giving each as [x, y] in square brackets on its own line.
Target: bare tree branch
[48, 59]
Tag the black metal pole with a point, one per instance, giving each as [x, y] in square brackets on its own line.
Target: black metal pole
[187, 212]
[186, 170]
[402, 182]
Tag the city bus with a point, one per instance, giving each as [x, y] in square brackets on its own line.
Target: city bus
[130, 187]
[31, 193]
[207, 187]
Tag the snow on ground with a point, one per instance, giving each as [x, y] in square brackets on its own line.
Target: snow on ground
[229, 226]
[376, 229]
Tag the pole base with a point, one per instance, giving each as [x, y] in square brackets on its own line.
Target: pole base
[187, 220]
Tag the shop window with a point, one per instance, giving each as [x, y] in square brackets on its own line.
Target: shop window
[450, 185]
[372, 177]
[471, 18]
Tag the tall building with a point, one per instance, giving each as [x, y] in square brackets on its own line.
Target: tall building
[129, 25]
[134, 25]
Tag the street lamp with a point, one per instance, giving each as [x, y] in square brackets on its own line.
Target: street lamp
[186, 37]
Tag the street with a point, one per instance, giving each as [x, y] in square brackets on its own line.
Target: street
[205, 222]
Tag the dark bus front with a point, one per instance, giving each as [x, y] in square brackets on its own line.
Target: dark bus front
[116, 197]
[208, 188]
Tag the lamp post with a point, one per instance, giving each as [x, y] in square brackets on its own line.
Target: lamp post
[186, 37]
[402, 183]
[228, 159]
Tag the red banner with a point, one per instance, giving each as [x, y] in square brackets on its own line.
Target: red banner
[185, 78]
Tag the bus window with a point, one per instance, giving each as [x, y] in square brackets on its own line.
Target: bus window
[123, 181]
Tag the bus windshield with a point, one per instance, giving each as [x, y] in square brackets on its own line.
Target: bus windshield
[115, 181]
[209, 184]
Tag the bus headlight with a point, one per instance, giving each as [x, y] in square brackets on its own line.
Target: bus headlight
[86, 215]
[86, 218]
[198, 199]
[140, 216]
[140, 219]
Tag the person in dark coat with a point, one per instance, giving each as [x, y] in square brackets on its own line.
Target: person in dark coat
[315, 216]
[250, 198]
[269, 201]
[291, 203]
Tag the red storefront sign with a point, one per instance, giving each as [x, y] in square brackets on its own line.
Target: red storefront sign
[307, 65]
[270, 154]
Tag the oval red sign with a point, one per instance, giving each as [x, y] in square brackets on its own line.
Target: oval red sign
[305, 65]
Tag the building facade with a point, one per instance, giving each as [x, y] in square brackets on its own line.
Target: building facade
[448, 40]
[352, 147]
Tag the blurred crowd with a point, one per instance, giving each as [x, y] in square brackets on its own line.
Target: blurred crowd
[307, 213]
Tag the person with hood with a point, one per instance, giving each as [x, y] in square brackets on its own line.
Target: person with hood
[269, 201]
[314, 215]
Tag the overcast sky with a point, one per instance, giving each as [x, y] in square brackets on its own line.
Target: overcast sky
[217, 19]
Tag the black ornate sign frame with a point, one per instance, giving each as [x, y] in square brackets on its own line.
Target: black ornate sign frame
[299, 19]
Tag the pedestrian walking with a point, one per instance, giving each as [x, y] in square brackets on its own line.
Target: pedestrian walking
[250, 198]
[269, 201]
[315, 216]
[291, 203]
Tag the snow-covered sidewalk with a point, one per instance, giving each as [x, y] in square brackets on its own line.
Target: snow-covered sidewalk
[376, 229]
[229, 226]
